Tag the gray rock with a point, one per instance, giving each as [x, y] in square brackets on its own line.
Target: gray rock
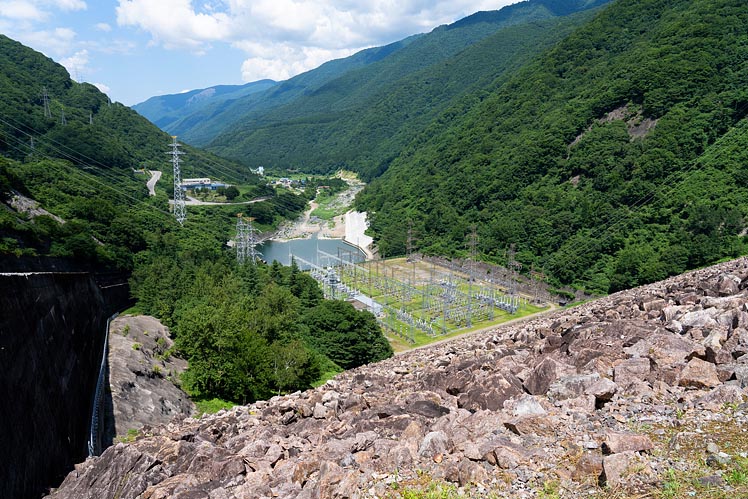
[434, 443]
[548, 371]
[665, 349]
[320, 411]
[712, 481]
[700, 318]
[617, 468]
[589, 467]
[526, 405]
[142, 375]
[721, 395]
[427, 408]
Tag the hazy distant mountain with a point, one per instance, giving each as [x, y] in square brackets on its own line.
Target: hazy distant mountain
[166, 110]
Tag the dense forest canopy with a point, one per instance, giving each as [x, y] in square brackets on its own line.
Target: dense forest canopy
[611, 160]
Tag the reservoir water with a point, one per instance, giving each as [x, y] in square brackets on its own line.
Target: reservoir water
[307, 249]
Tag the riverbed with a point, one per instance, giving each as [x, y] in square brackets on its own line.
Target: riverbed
[341, 235]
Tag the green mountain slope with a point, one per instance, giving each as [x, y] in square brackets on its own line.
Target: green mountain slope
[319, 125]
[612, 160]
[201, 127]
[78, 158]
[105, 134]
[166, 110]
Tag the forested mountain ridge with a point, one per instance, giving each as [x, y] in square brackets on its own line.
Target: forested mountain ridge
[614, 159]
[332, 116]
[166, 110]
[106, 133]
[200, 127]
[363, 119]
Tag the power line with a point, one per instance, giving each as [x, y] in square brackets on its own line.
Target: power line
[74, 157]
[85, 176]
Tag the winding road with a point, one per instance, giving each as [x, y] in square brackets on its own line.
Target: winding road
[155, 176]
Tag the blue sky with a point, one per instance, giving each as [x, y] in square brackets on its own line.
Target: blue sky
[135, 49]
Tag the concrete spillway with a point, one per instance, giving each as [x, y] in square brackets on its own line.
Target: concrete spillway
[51, 338]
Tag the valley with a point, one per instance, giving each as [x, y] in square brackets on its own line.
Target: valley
[521, 268]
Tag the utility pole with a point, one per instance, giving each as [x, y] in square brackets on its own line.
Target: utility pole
[180, 210]
[63, 121]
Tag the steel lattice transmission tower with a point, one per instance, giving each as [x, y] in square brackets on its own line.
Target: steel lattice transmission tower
[45, 102]
[180, 211]
[241, 240]
[252, 242]
[514, 267]
[246, 241]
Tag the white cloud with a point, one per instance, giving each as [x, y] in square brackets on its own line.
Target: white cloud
[76, 64]
[66, 4]
[285, 37]
[22, 10]
[104, 88]
[55, 42]
[36, 10]
[173, 23]
[103, 27]
[282, 61]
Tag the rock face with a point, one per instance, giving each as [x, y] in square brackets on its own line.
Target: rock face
[52, 328]
[599, 394]
[141, 377]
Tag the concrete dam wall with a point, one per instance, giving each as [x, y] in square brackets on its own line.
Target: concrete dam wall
[52, 327]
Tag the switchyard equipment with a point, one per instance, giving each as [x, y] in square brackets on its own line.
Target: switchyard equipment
[408, 302]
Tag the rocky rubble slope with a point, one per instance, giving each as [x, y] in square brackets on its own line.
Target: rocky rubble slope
[640, 391]
[141, 376]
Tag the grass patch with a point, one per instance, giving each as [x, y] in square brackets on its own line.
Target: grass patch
[328, 207]
[329, 370]
[434, 490]
[134, 310]
[212, 406]
[685, 445]
[128, 438]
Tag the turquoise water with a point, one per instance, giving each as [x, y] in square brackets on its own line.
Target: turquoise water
[307, 249]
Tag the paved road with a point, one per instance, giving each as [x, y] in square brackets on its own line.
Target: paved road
[155, 176]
